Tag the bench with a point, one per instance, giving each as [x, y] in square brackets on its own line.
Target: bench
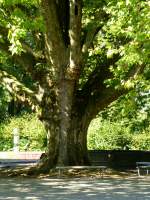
[143, 166]
[100, 168]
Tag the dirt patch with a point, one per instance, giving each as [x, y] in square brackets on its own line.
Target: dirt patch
[53, 173]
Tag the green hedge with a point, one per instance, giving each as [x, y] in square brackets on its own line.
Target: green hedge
[106, 135]
[32, 133]
[102, 134]
[141, 141]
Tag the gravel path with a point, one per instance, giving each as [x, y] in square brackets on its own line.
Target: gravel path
[75, 189]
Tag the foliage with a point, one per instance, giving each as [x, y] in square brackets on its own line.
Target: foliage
[102, 134]
[125, 124]
[141, 141]
[31, 131]
[4, 99]
[118, 30]
[71, 59]
[106, 135]
[133, 31]
[133, 109]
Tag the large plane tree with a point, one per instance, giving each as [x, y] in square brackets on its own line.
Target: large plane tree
[69, 60]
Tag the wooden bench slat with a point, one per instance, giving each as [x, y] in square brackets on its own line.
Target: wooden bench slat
[101, 168]
[80, 167]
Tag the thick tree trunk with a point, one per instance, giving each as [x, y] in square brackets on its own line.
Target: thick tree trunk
[77, 142]
[67, 147]
[73, 149]
[66, 128]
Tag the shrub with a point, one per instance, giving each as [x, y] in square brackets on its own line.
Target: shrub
[31, 131]
[106, 135]
[141, 141]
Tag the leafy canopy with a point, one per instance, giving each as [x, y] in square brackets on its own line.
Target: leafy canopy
[110, 29]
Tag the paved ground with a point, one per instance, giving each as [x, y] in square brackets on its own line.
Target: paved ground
[13, 159]
[75, 189]
[14, 163]
[4, 155]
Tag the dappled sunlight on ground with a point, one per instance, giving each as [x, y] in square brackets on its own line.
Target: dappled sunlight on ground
[75, 188]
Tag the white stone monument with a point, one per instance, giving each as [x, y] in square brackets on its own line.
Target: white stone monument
[16, 140]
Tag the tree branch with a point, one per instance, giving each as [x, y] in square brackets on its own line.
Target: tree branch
[27, 61]
[134, 72]
[95, 26]
[63, 12]
[93, 88]
[53, 36]
[75, 38]
[29, 50]
[90, 37]
[102, 72]
[102, 99]
[18, 89]
[96, 93]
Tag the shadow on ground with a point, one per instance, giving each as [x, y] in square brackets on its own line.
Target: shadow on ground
[75, 189]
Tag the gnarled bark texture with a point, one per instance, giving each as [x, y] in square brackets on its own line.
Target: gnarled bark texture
[66, 111]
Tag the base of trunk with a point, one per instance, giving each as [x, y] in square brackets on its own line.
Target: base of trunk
[46, 164]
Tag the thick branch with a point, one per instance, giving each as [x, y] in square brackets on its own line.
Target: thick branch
[100, 101]
[90, 36]
[95, 26]
[26, 60]
[96, 96]
[94, 89]
[55, 46]
[29, 50]
[63, 12]
[102, 72]
[17, 89]
[75, 38]
[134, 72]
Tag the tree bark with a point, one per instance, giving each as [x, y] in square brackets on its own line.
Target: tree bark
[68, 150]
[64, 114]
[66, 128]
[77, 141]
